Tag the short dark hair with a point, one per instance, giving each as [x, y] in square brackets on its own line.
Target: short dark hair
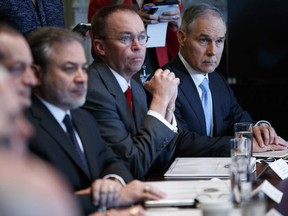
[198, 10]
[42, 39]
[99, 20]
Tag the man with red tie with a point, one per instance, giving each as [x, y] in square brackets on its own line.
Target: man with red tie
[140, 137]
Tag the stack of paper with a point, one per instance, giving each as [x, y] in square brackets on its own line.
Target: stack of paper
[184, 193]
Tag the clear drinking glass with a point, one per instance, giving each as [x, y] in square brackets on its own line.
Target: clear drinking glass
[245, 129]
[240, 175]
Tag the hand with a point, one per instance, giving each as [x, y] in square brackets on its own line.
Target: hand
[271, 147]
[137, 191]
[146, 17]
[163, 86]
[173, 17]
[132, 211]
[265, 135]
[105, 192]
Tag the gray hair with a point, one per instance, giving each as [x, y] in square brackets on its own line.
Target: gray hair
[42, 39]
[199, 10]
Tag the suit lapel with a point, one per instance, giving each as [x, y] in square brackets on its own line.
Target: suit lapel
[113, 87]
[89, 145]
[52, 127]
[139, 103]
[190, 94]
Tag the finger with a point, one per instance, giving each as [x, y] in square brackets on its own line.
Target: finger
[152, 193]
[258, 137]
[96, 193]
[272, 135]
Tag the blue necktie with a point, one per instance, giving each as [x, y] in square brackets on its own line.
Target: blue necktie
[207, 104]
[71, 133]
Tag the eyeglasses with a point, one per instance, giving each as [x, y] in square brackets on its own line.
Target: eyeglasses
[127, 39]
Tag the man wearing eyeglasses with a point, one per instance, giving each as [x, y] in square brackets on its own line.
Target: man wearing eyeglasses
[141, 137]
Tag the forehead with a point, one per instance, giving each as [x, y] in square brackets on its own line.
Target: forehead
[124, 21]
[15, 48]
[67, 51]
[209, 25]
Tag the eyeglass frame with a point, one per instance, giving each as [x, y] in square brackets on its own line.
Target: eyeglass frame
[130, 40]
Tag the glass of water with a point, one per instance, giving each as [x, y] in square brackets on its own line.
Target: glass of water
[245, 129]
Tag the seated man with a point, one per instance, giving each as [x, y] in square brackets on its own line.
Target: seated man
[68, 137]
[16, 57]
[140, 137]
[201, 38]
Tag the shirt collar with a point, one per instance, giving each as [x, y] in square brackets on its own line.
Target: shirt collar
[195, 75]
[122, 82]
[58, 113]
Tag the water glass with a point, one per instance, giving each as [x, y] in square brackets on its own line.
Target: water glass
[245, 129]
[240, 175]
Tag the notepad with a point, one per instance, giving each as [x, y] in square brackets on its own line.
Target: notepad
[184, 192]
[274, 154]
[202, 168]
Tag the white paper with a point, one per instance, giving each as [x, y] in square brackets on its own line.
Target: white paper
[270, 191]
[280, 167]
[157, 34]
[273, 212]
[273, 154]
[183, 193]
[204, 168]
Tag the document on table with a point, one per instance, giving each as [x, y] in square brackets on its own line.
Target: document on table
[273, 154]
[201, 168]
[184, 193]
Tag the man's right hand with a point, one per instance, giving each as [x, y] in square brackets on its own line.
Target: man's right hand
[164, 87]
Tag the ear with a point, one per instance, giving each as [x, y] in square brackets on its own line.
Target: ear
[39, 73]
[98, 47]
[181, 37]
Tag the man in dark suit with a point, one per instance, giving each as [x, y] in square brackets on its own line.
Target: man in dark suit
[68, 137]
[140, 137]
[201, 40]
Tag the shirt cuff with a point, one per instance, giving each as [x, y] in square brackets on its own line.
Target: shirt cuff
[262, 123]
[115, 177]
[172, 126]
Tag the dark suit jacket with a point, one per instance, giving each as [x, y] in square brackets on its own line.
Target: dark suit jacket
[190, 114]
[53, 145]
[189, 111]
[137, 138]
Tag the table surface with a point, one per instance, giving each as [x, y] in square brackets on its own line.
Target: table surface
[280, 184]
[274, 179]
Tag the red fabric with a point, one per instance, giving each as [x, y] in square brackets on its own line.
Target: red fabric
[164, 54]
[128, 94]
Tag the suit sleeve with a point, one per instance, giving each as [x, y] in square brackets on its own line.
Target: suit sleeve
[137, 147]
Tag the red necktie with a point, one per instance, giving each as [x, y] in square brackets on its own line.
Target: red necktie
[128, 94]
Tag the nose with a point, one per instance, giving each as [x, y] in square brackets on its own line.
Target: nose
[135, 44]
[211, 50]
[29, 77]
[81, 75]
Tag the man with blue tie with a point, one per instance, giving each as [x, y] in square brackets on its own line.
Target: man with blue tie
[208, 113]
[68, 137]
